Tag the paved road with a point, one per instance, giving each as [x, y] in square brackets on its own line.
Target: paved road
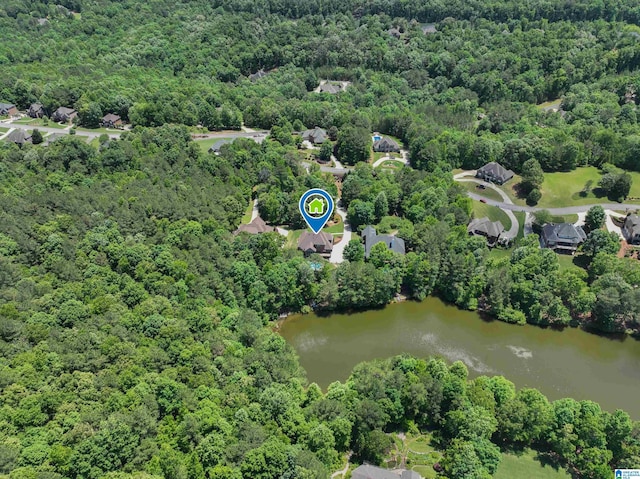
[337, 254]
[327, 169]
[515, 225]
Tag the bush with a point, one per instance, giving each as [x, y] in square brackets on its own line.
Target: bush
[534, 196]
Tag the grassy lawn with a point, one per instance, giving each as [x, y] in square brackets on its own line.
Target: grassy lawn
[480, 210]
[4, 130]
[564, 188]
[39, 122]
[417, 453]
[292, 238]
[550, 104]
[526, 465]
[99, 130]
[390, 164]
[208, 143]
[487, 192]
[246, 218]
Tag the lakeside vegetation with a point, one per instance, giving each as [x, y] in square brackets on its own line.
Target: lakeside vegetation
[133, 324]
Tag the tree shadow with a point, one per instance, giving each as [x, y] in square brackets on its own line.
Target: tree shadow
[520, 191]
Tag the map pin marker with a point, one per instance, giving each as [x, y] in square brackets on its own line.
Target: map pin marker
[316, 207]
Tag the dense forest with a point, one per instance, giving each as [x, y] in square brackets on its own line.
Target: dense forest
[135, 327]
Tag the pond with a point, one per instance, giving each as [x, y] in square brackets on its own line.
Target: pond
[569, 363]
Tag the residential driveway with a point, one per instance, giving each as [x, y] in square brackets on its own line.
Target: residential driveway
[254, 210]
[337, 254]
[65, 131]
[403, 159]
[611, 226]
[515, 225]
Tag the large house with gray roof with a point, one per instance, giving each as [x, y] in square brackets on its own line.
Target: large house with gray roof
[371, 237]
[256, 226]
[317, 135]
[485, 227]
[368, 471]
[64, 114]
[8, 109]
[386, 145]
[562, 237]
[495, 173]
[631, 229]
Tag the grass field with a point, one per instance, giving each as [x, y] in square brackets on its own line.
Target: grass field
[480, 210]
[246, 218]
[292, 238]
[564, 188]
[208, 143]
[526, 466]
[4, 130]
[487, 192]
[39, 122]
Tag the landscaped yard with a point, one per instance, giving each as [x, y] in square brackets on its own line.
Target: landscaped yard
[417, 453]
[246, 218]
[208, 143]
[564, 188]
[480, 210]
[3, 129]
[527, 466]
[390, 164]
[292, 238]
[488, 193]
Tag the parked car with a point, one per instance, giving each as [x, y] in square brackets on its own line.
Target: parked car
[481, 187]
[482, 200]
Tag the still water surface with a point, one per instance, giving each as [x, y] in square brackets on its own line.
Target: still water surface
[569, 363]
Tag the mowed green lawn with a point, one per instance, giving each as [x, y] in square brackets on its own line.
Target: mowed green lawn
[208, 143]
[526, 466]
[487, 192]
[563, 188]
[480, 210]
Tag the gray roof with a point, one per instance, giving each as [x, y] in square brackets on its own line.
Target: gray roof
[486, 226]
[372, 472]
[311, 241]
[257, 75]
[6, 106]
[53, 137]
[370, 237]
[218, 144]
[18, 136]
[632, 224]
[496, 170]
[429, 28]
[316, 135]
[563, 233]
[63, 110]
[385, 144]
[330, 88]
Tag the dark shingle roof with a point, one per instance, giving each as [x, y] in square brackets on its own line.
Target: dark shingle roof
[111, 118]
[496, 170]
[563, 233]
[18, 136]
[385, 144]
[316, 135]
[218, 144]
[372, 472]
[632, 223]
[370, 237]
[330, 88]
[486, 226]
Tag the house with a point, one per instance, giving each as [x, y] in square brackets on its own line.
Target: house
[257, 75]
[36, 110]
[367, 471]
[429, 28]
[64, 114]
[371, 237]
[331, 88]
[485, 227]
[562, 237]
[394, 32]
[111, 121]
[19, 137]
[8, 109]
[317, 136]
[386, 144]
[53, 137]
[215, 148]
[495, 173]
[316, 207]
[321, 243]
[631, 229]
[256, 226]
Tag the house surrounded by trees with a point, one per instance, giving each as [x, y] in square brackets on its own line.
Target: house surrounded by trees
[631, 229]
[371, 237]
[562, 237]
[495, 173]
[64, 114]
[485, 227]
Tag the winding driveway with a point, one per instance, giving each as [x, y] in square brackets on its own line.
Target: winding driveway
[515, 225]
[404, 159]
[337, 254]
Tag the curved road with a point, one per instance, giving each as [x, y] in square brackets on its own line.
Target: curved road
[508, 207]
[515, 225]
